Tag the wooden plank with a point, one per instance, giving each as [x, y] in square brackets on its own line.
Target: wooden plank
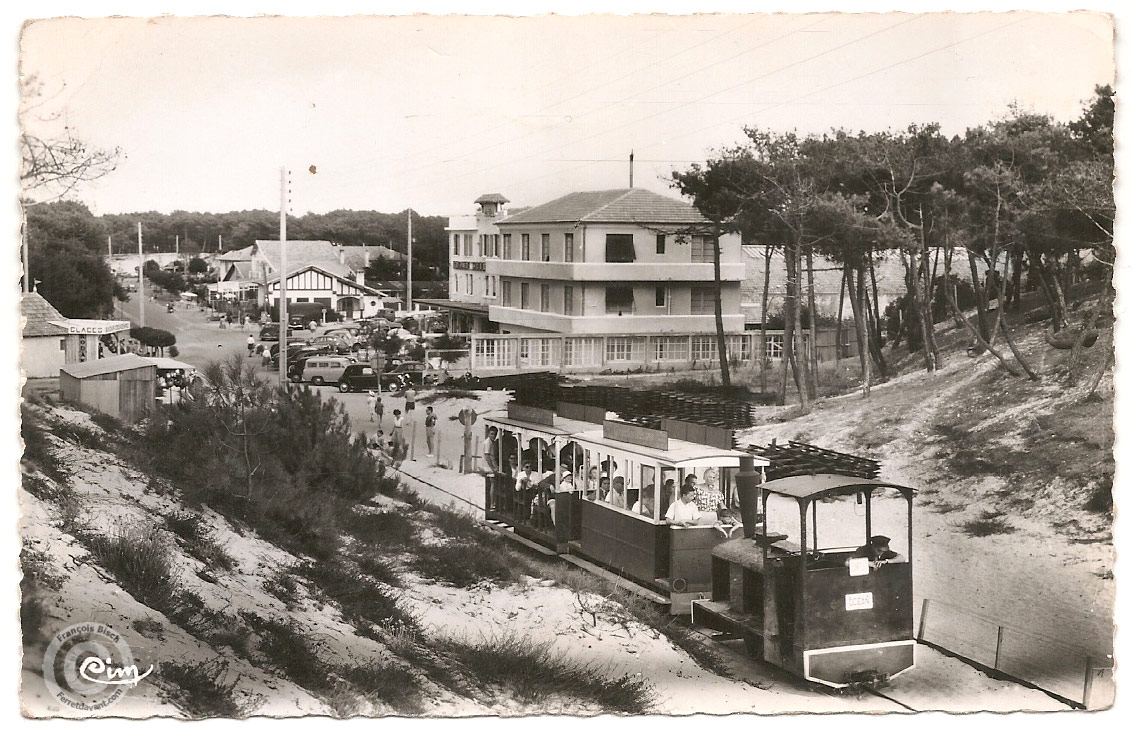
[620, 431]
[620, 581]
[508, 533]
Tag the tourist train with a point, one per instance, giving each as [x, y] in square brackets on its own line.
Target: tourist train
[790, 553]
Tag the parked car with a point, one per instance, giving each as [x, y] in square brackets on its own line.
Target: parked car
[408, 373]
[323, 369]
[351, 336]
[358, 377]
[269, 333]
[335, 342]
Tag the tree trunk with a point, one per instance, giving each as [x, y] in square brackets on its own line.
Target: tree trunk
[1056, 276]
[878, 334]
[980, 297]
[1038, 267]
[720, 337]
[791, 358]
[876, 350]
[766, 304]
[856, 302]
[840, 315]
[812, 351]
[927, 320]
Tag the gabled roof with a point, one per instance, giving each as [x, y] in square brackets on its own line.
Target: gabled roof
[39, 313]
[243, 254]
[333, 269]
[298, 252]
[355, 256]
[625, 205]
[102, 366]
[491, 198]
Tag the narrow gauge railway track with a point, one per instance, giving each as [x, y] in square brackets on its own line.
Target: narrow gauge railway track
[770, 672]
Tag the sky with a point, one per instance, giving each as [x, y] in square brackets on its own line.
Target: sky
[430, 112]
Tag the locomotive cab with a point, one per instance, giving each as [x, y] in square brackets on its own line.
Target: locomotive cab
[817, 587]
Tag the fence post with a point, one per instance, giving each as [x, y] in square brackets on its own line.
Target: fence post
[998, 647]
[1087, 691]
[923, 619]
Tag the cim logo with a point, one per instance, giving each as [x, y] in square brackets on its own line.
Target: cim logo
[89, 667]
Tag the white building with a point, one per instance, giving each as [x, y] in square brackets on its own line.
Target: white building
[50, 340]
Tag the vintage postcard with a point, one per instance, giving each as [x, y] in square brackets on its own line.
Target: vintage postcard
[566, 365]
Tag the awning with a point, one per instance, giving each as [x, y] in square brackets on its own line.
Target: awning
[168, 364]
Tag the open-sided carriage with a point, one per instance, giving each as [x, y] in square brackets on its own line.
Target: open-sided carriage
[624, 536]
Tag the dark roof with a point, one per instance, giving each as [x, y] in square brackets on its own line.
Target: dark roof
[625, 205]
[39, 313]
[491, 198]
[113, 364]
[807, 487]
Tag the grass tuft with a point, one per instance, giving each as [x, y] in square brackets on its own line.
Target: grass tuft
[197, 537]
[988, 524]
[535, 673]
[201, 690]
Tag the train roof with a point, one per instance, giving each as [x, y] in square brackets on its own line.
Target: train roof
[678, 454]
[562, 426]
[807, 487]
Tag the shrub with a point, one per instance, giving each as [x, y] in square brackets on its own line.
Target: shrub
[360, 599]
[534, 672]
[39, 578]
[282, 586]
[197, 536]
[988, 524]
[138, 558]
[462, 566]
[384, 528]
[284, 647]
[200, 689]
[38, 449]
[396, 686]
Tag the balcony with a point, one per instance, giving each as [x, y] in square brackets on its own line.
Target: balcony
[603, 272]
[611, 324]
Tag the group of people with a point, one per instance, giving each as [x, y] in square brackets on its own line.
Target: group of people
[520, 488]
[398, 444]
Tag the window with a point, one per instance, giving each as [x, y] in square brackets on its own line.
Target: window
[702, 250]
[618, 300]
[568, 300]
[546, 247]
[670, 348]
[456, 283]
[479, 245]
[62, 343]
[525, 295]
[619, 249]
[660, 243]
[471, 286]
[506, 246]
[703, 301]
[704, 348]
[544, 298]
[568, 247]
[495, 245]
[526, 238]
[506, 293]
[620, 349]
[661, 296]
[456, 244]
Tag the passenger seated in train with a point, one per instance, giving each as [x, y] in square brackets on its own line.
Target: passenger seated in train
[565, 487]
[602, 488]
[878, 552]
[616, 496]
[684, 512]
[592, 483]
[646, 506]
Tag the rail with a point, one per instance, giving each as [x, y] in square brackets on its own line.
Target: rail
[1062, 669]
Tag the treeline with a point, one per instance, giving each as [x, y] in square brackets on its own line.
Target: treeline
[68, 244]
[1024, 194]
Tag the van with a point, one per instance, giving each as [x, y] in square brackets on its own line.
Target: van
[323, 369]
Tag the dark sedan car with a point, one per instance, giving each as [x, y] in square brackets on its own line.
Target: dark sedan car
[358, 377]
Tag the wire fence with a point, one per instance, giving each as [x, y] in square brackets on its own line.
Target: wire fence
[1066, 670]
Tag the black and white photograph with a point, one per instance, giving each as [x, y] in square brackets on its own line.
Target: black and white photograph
[564, 362]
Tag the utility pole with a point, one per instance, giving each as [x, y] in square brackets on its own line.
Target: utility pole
[110, 246]
[284, 325]
[220, 243]
[177, 245]
[141, 280]
[630, 168]
[409, 268]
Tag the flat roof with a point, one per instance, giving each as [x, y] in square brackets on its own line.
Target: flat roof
[102, 366]
[678, 454]
[453, 305]
[805, 487]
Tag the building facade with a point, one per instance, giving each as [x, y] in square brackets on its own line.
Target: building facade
[617, 262]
